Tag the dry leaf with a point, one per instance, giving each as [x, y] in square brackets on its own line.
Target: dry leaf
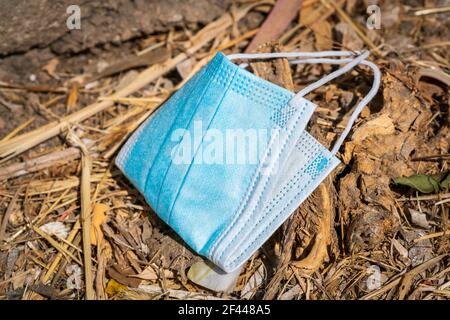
[292, 293]
[58, 229]
[150, 273]
[19, 281]
[418, 252]
[400, 248]
[113, 288]
[74, 280]
[323, 35]
[98, 218]
[381, 125]
[374, 280]
[350, 39]
[435, 73]
[73, 96]
[253, 283]
[50, 67]
[123, 277]
[310, 14]
[419, 219]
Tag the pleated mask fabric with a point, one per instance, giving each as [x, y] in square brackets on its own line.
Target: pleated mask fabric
[226, 159]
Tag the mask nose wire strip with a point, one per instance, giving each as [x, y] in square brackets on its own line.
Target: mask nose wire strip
[351, 63]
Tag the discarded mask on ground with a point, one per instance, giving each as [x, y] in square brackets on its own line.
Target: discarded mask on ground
[226, 160]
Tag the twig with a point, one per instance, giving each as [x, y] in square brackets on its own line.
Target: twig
[101, 267]
[55, 244]
[238, 40]
[432, 158]
[18, 129]
[40, 217]
[436, 44]
[409, 276]
[19, 144]
[278, 20]
[398, 279]
[425, 198]
[86, 165]
[43, 162]
[8, 214]
[304, 33]
[33, 88]
[26, 141]
[175, 294]
[344, 16]
[433, 235]
[15, 277]
[424, 12]
[59, 256]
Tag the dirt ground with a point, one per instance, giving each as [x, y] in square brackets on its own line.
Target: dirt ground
[377, 228]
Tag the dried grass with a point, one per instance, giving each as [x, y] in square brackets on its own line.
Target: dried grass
[43, 179]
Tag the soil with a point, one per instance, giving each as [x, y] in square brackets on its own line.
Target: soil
[32, 33]
[356, 220]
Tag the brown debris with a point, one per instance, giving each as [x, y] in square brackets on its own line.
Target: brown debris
[358, 236]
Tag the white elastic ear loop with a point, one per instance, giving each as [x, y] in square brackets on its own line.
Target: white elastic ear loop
[351, 64]
[319, 57]
[287, 55]
[369, 96]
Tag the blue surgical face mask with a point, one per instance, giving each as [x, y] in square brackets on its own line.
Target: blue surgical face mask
[226, 159]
